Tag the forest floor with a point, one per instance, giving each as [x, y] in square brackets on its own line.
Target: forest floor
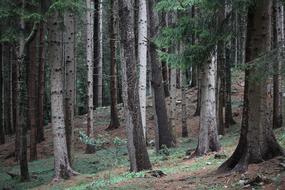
[108, 167]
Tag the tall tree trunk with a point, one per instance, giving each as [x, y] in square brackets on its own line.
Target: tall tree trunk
[32, 77]
[221, 77]
[41, 84]
[278, 37]
[142, 59]
[138, 155]
[96, 53]
[2, 131]
[257, 141]
[163, 134]
[16, 113]
[7, 114]
[228, 93]
[114, 123]
[100, 61]
[172, 106]
[184, 103]
[69, 80]
[89, 57]
[199, 86]
[208, 134]
[62, 167]
[22, 100]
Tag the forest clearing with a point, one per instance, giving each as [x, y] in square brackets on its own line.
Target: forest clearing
[142, 94]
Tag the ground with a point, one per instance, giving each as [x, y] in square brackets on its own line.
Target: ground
[108, 167]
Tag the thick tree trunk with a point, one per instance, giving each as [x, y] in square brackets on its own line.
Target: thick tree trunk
[32, 121]
[257, 141]
[89, 58]
[172, 105]
[114, 123]
[137, 150]
[2, 131]
[208, 134]
[142, 58]
[21, 101]
[164, 136]
[41, 84]
[278, 37]
[69, 80]
[62, 167]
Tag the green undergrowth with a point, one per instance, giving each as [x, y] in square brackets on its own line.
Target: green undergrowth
[102, 170]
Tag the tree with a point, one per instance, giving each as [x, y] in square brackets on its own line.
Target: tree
[164, 136]
[2, 132]
[69, 48]
[61, 161]
[32, 95]
[41, 83]
[142, 59]
[137, 150]
[257, 141]
[100, 61]
[89, 58]
[278, 37]
[208, 134]
[184, 103]
[114, 123]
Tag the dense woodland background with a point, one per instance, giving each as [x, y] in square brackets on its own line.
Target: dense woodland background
[142, 94]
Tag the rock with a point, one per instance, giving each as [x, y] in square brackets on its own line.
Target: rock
[220, 137]
[220, 156]
[208, 163]
[155, 173]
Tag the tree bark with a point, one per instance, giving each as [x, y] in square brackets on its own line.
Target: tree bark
[89, 58]
[184, 103]
[62, 167]
[114, 123]
[32, 78]
[163, 134]
[137, 150]
[278, 37]
[100, 61]
[2, 131]
[69, 80]
[208, 134]
[41, 84]
[257, 141]
[142, 59]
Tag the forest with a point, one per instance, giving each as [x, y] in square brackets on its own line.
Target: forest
[142, 94]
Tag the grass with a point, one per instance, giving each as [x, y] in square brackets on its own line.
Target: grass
[99, 172]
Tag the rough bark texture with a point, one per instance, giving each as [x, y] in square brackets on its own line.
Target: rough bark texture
[32, 121]
[184, 103]
[89, 58]
[138, 155]
[96, 52]
[2, 132]
[142, 58]
[41, 84]
[62, 167]
[208, 134]
[114, 123]
[21, 101]
[278, 37]
[164, 136]
[257, 141]
[16, 88]
[69, 80]
[100, 61]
